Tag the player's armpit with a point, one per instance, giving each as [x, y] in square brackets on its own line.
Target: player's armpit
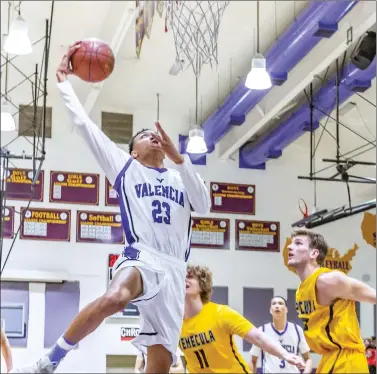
[337, 285]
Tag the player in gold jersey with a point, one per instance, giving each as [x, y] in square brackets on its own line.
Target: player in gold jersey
[208, 329]
[325, 302]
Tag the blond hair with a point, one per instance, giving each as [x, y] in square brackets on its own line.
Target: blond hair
[204, 277]
[316, 241]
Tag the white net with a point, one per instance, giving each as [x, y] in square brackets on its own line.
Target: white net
[195, 26]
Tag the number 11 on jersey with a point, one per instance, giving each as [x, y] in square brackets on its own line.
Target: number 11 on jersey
[200, 355]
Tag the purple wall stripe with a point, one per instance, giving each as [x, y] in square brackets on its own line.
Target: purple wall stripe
[256, 307]
[220, 295]
[62, 302]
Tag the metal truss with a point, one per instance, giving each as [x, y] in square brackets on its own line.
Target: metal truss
[341, 163]
[36, 153]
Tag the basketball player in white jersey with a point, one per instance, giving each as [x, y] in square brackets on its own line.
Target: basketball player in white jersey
[6, 353]
[288, 334]
[156, 216]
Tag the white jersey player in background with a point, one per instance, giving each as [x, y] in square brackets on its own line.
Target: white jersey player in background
[156, 217]
[290, 336]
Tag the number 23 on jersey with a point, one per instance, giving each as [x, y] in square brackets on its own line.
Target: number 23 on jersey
[161, 212]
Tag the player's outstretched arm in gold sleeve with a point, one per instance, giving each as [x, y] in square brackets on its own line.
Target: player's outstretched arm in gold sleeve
[337, 285]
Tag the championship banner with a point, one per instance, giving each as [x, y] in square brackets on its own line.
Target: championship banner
[99, 227]
[257, 236]
[160, 7]
[131, 310]
[8, 222]
[128, 333]
[232, 198]
[45, 224]
[332, 261]
[74, 188]
[111, 196]
[210, 233]
[19, 185]
[149, 10]
[368, 228]
[139, 27]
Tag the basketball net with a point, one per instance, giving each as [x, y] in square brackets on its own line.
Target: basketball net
[195, 26]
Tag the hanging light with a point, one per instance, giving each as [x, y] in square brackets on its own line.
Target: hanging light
[196, 143]
[258, 78]
[18, 42]
[7, 120]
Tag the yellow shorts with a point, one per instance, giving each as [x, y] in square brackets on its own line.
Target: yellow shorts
[346, 361]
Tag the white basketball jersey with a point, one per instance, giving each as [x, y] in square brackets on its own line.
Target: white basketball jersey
[154, 203]
[155, 210]
[291, 338]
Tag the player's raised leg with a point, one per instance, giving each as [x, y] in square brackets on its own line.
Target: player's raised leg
[159, 359]
[126, 285]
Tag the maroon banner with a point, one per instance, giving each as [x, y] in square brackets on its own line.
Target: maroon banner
[111, 197]
[19, 185]
[232, 198]
[74, 188]
[8, 222]
[257, 236]
[45, 224]
[212, 233]
[99, 227]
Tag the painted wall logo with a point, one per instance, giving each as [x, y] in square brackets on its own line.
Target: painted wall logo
[333, 259]
[128, 333]
[368, 228]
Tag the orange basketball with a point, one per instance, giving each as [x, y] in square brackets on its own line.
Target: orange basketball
[94, 61]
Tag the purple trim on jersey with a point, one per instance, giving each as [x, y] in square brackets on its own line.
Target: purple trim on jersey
[263, 353]
[160, 170]
[299, 340]
[278, 332]
[188, 250]
[121, 173]
[124, 206]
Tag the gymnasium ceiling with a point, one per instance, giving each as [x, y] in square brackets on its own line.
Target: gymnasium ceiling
[135, 82]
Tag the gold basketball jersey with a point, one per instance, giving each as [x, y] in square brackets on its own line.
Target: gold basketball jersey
[207, 340]
[327, 328]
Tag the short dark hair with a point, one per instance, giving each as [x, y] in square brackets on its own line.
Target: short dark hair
[131, 142]
[280, 297]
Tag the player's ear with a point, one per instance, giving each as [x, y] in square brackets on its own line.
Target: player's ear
[134, 154]
[314, 253]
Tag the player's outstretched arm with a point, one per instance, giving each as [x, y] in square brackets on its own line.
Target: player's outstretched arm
[196, 189]
[337, 285]
[108, 155]
[236, 324]
[263, 341]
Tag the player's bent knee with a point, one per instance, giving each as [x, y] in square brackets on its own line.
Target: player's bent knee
[115, 300]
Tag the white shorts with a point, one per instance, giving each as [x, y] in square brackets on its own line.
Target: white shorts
[161, 305]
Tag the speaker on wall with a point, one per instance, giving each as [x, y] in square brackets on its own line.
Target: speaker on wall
[365, 52]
